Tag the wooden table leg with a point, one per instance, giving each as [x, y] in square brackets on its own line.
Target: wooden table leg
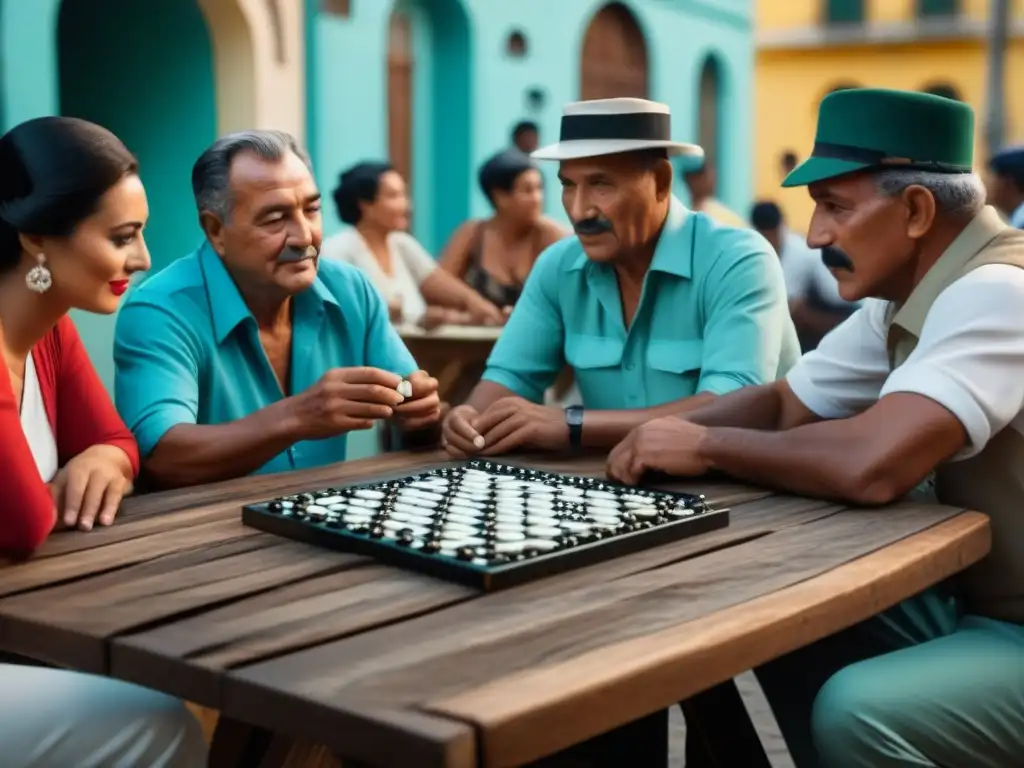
[238, 745]
[640, 744]
[719, 731]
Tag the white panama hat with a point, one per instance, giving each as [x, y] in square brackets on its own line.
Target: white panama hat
[609, 126]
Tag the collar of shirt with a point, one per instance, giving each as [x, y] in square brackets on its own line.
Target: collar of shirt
[228, 308]
[673, 254]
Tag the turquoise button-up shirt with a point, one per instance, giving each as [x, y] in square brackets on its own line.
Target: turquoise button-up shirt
[187, 350]
[713, 317]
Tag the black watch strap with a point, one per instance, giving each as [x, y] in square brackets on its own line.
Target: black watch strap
[574, 419]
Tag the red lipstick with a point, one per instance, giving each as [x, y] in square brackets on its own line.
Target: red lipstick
[118, 287]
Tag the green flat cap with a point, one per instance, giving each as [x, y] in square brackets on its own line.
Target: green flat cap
[861, 128]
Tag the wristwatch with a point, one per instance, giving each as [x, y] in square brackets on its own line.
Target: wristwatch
[574, 419]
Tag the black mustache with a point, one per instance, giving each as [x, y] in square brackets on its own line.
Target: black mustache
[592, 226]
[292, 253]
[833, 258]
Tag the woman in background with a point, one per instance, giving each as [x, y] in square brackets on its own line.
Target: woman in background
[372, 199]
[495, 255]
[72, 209]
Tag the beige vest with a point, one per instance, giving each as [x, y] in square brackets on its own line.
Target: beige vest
[991, 482]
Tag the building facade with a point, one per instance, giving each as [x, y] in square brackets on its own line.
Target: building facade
[437, 85]
[434, 85]
[808, 48]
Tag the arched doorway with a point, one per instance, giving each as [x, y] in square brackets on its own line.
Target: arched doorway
[400, 94]
[429, 125]
[709, 109]
[614, 58]
[146, 72]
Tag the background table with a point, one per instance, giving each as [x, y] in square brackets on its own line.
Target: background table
[453, 354]
[398, 669]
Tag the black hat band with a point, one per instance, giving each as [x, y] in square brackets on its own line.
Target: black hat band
[877, 157]
[634, 126]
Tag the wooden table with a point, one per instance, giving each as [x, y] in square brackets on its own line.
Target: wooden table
[397, 669]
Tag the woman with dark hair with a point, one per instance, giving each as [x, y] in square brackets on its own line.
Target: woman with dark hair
[72, 209]
[495, 255]
[372, 199]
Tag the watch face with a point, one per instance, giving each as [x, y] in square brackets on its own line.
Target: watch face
[574, 416]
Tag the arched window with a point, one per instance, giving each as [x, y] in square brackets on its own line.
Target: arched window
[516, 46]
[844, 11]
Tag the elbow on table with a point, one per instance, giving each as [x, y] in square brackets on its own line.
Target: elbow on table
[875, 486]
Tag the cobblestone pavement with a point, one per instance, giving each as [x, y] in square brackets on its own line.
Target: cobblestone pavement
[763, 720]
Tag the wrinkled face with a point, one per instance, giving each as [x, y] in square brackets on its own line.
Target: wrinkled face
[617, 203]
[878, 234]
[273, 233]
[525, 201]
[91, 268]
[390, 210]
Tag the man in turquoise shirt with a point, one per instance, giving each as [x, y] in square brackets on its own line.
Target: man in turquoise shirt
[250, 355]
[657, 309]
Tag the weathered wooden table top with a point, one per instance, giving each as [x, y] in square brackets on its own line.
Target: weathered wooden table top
[397, 668]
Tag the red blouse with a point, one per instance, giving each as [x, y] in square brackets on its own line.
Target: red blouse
[81, 415]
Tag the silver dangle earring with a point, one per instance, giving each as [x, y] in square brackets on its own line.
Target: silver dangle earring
[39, 278]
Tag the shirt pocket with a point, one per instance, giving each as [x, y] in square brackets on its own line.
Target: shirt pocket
[674, 368]
[597, 365]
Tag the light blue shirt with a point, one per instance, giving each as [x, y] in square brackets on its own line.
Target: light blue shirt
[713, 317]
[187, 350]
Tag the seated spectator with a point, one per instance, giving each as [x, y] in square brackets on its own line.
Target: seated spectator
[72, 209]
[814, 300]
[495, 255]
[372, 199]
[701, 179]
[252, 354]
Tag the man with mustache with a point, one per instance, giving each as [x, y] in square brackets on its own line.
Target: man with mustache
[251, 354]
[923, 387]
[656, 308]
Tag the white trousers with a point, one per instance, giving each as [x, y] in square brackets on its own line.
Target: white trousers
[53, 718]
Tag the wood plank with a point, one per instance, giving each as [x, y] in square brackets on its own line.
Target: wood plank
[529, 714]
[464, 646]
[254, 488]
[187, 657]
[71, 624]
[65, 542]
[50, 571]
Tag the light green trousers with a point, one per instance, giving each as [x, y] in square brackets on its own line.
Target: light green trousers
[54, 718]
[920, 685]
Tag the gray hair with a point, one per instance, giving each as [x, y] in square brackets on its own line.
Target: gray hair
[958, 194]
[211, 171]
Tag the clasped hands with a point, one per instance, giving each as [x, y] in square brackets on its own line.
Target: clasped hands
[668, 444]
[509, 423]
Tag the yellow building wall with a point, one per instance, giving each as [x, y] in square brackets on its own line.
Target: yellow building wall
[790, 83]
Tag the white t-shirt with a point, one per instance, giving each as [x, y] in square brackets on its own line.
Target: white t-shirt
[969, 359]
[36, 425]
[410, 264]
[805, 273]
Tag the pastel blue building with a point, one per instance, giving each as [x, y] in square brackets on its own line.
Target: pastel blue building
[436, 85]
